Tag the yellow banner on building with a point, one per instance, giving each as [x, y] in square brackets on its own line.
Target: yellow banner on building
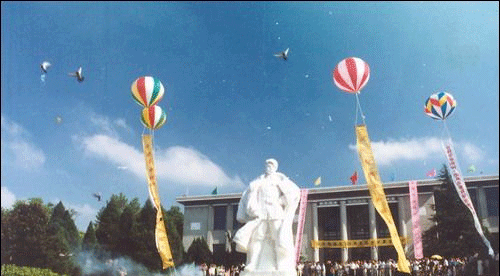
[160, 231]
[377, 192]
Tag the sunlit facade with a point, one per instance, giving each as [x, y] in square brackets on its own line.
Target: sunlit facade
[341, 223]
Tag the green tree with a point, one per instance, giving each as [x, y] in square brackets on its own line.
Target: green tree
[25, 234]
[4, 248]
[108, 223]
[198, 252]
[143, 238]
[128, 219]
[174, 220]
[453, 233]
[62, 221]
[89, 242]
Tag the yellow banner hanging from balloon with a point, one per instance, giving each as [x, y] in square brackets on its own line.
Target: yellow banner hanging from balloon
[377, 192]
[160, 232]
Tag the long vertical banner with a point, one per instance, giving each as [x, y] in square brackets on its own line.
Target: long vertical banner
[415, 220]
[377, 192]
[463, 193]
[160, 232]
[300, 225]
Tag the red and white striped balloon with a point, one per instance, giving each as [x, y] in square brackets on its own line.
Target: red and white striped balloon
[351, 74]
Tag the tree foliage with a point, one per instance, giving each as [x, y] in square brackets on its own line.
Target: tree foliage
[45, 236]
[198, 252]
[453, 233]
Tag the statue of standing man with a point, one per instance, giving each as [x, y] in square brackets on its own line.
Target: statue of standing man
[267, 208]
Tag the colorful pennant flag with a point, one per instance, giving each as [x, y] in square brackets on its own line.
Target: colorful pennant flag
[431, 173]
[317, 182]
[214, 192]
[471, 169]
[354, 178]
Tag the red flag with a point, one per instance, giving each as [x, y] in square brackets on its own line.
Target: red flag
[354, 178]
[431, 173]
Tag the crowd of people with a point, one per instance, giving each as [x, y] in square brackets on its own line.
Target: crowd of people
[466, 266]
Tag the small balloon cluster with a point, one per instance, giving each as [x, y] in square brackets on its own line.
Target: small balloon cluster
[148, 91]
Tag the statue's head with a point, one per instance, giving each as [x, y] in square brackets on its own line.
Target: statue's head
[271, 166]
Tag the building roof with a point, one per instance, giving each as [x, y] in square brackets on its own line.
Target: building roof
[318, 193]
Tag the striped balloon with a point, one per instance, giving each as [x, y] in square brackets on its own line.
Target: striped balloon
[440, 105]
[351, 74]
[153, 117]
[147, 91]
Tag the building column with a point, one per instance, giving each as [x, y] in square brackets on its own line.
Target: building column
[315, 229]
[402, 220]
[210, 228]
[373, 229]
[482, 206]
[343, 230]
[229, 218]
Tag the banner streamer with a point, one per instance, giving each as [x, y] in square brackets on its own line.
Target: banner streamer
[300, 225]
[377, 192]
[415, 220]
[160, 232]
[462, 191]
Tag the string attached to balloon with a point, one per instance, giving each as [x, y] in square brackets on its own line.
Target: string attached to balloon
[440, 106]
[147, 92]
[351, 75]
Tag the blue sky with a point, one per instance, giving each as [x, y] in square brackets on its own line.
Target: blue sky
[230, 103]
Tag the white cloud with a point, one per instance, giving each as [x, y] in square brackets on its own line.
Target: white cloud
[414, 149]
[177, 164]
[386, 153]
[26, 154]
[8, 198]
[471, 152]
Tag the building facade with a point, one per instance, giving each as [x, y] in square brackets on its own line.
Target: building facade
[341, 223]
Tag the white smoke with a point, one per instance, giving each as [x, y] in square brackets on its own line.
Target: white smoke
[91, 264]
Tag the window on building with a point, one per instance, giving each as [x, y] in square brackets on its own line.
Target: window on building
[220, 217]
[492, 201]
[358, 222]
[329, 223]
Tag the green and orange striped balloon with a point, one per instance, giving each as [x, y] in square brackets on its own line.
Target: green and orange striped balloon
[153, 117]
[147, 91]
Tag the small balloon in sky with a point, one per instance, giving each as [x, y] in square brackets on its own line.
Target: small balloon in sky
[147, 91]
[307, 76]
[153, 117]
[279, 37]
[268, 127]
[58, 119]
[351, 74]
[277, 22]
[330, 118]
[440, 105]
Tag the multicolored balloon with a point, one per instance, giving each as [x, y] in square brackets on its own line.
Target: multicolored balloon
[147, 91]
[153, 117]
[440, 105]
[351, 74]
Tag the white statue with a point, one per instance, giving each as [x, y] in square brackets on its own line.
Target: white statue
[267, 208]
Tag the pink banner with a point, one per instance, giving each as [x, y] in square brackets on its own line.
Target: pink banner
[415, 220]
[461, 188]
[300, 225]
